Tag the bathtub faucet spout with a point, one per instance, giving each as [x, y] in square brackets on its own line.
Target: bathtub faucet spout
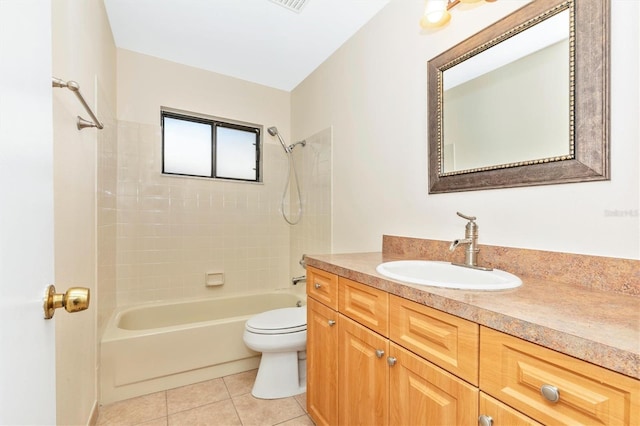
[296, 280]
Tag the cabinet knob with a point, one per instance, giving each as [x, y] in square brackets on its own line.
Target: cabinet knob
[331, 323]
[379, 353]
[550, 393]
[391, 360]
[485, 420]
[317, 285]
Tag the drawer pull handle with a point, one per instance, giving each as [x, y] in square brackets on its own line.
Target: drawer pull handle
[379, 353]
[331, 323]
[317, 285]
[485, 420]
[550, 393]
[391, 360]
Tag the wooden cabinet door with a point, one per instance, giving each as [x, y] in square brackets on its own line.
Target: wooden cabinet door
[501, 414]
[424, 394]
[363, 379]
[322, 367]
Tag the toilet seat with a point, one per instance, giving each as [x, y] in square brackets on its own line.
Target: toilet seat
[278, 321]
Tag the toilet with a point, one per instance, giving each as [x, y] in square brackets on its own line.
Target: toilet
[281, 336]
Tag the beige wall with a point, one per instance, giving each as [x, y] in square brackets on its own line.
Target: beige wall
[145, 83]
[373, 92]
[172, 230]
[83, 50]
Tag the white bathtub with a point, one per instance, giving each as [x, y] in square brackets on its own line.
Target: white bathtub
[150, 348]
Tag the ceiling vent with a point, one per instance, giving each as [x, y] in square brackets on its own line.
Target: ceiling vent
[293, 5]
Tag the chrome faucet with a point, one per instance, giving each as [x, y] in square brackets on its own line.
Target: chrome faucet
[471, 241]
[296, 280]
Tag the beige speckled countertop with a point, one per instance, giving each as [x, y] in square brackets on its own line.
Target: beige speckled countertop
[601, 327]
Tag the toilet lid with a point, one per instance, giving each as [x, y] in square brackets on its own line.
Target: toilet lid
[285, 320]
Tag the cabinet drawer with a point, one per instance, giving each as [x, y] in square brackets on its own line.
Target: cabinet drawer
[501, 414]
[366, 305]
[322, 286]
[445, 340]
[515, 371]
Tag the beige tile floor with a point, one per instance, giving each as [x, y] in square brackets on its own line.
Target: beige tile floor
[226, 401]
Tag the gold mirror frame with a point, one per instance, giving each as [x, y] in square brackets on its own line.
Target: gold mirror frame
[588, 135]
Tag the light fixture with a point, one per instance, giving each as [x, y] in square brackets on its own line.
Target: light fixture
[436, 12]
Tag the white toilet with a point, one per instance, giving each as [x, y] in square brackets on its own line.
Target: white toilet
[281, 336]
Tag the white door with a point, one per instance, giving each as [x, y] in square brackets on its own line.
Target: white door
[27, 340]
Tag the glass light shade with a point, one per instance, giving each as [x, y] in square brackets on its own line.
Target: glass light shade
[435, 14]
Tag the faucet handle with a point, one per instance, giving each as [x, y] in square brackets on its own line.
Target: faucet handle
[471, 218]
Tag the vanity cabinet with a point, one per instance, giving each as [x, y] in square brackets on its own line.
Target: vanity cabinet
[378, 381]
[375, 359]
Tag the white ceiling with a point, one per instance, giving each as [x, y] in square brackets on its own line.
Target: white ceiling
[254, 40]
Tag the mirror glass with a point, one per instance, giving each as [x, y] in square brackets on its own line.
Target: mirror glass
[510, 103]
[524, 101]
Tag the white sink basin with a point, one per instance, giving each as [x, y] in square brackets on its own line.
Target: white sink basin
[444, 274]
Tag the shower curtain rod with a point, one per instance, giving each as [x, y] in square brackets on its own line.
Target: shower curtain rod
[75, 88]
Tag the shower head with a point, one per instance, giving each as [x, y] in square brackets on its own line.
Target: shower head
[303, 142]
[273, 131]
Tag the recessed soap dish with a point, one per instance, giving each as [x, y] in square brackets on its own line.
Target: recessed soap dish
[212, 279]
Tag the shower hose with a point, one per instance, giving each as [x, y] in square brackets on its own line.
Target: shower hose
[292, 166]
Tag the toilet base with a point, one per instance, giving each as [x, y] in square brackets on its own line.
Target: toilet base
[279, 376]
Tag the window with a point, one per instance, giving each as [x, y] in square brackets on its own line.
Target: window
[197, 145]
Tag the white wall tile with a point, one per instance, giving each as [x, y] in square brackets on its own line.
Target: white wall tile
[172, 230]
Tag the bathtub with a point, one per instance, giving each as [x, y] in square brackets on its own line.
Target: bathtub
[154, 347]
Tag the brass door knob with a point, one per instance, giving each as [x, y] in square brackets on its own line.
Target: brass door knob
[74, 300]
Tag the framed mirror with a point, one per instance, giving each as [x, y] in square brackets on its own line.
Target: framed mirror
[523, 102]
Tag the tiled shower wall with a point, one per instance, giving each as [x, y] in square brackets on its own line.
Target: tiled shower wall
[107, 185]
[173, 230]
[312, 235]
